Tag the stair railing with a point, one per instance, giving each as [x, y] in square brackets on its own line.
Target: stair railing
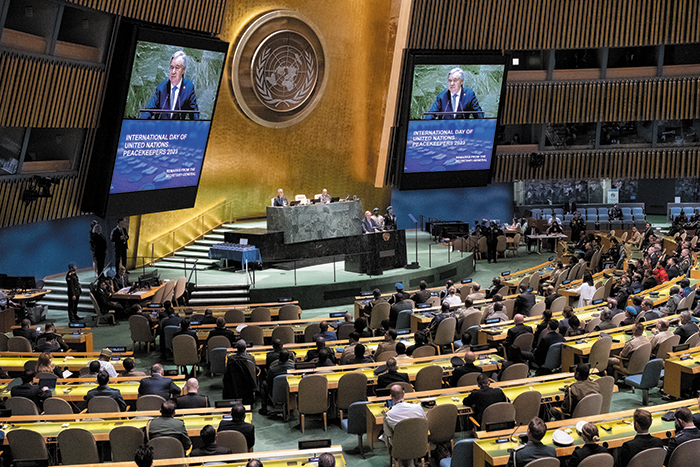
[193, 269]
[188, 232]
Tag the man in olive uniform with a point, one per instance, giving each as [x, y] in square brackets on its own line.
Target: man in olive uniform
[492, 234]
[578, 226]
[73, 293]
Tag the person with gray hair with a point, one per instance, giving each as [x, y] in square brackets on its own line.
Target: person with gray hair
[176, 93]
[456, 102]
[686, 328]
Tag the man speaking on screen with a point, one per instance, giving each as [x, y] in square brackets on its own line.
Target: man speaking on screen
[461, 101]
[176, 93]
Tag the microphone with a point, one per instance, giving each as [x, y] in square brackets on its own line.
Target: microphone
[510, 437]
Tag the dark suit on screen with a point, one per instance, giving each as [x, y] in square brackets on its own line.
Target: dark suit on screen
[186, 100]
[467, 103]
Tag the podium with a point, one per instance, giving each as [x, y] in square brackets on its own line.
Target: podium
[377, 252]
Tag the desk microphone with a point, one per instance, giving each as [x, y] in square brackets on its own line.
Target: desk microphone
[510, 438]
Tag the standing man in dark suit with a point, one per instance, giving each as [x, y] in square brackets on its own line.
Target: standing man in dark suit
[175, 93]
[481, 398]
[191, 399]
[120, 238]
[641, 442]
[157, 384]
[392, 375]
[280, 200]
[685, 431]
[74, 292]
[238, 423]
[461, 101]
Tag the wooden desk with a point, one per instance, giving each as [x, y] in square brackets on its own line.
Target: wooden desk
[78, 339]
[12, 361]
[52, 425]
[77, 391]
[33, 295]
[220, 311]
[298, 325]
[488, 452]
[287, 458]
[679, 372]
[138, 295]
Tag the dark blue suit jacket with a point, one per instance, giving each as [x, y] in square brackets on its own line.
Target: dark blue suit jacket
[159, 386]
[186, 100]
[467, 103]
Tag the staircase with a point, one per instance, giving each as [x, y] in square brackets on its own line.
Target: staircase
[219, 295]
[57, 299]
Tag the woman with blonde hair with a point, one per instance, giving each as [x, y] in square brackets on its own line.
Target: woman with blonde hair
[589, 434]
[45, 365]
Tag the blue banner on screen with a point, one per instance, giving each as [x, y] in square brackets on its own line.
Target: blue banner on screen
[448, 145]
[159, 154]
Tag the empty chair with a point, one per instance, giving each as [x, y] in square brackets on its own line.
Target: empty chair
[21, 406]
[57, 406]
[598, 460]
[445, 334]
[344, 330]
[217, 361]
[553, 359]
[234, 440]
[410, 440]
[19, 344]
[527, 406]
[253, 334]
[442, 420]
[102, 404]
[558, 304]
[693, 340]
[498, 416]
[311, 330]
[3, 342]
[179, 291]
[685, 455]
[313, 398]
[289, 312]
[462, 454]
[77, 446]
[468, 380]
[428, 378]
[234, 316]
[384, 356]
[260, 315]
[600, 352]
[352, 387]
[356, 423]
[168, 334]
[124, 441]
[185, 352]
[424, 351]
[284, 333]
[403, 321]
[607, 386]
[141, 331]
[157, 297]
[590, 326]
[537, 309]
[217, 342]
[166, 447]
[380, 312]
[589, 405]
[27, 446]
[667, 346]
[524, 341]
[515, 371]
[653, 457]
[149, 402]
[544, 462]
[648, 379]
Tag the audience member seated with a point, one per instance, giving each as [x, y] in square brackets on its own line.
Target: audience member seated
[349, 350]
[31, 391]
[279, 367]
[606, 321]
[399, 295]
[542, 328]
[167, 425]
[103, 389]
[641, 442]
[516, 330]
[630, 316]
[392, 375]
[577, 391]
[143, 457]
[158, 384]
[361, 355]
[208, 436]
[129, 370]
[422, 296]
[495, 313]
[533, 449]
[686, 328]
[186, 331]
[329, 336]
[462, 370]
[361, 327]
[550, 296]
[192, 399]
[444, 314]
[312, 354]
[481, 398]
[399, 305]
[49, 344]
[591, 438]
[476, 294]
[240, 378]
[620, 363]
[549, 339]
[326, 459]
[274, 354]
[239, 424]
[421, 340]
[377, 298]
[324, 357]
[399, 411]
[567, 313]
[389, 342]
[171, 319]
[26, 331]
[105, 304]
[524, 302]
[660, 333]
[45, 365]
[51, 334]
[209, 317]
[93, 368]
[106, 364]
[452, 298]
[575, 328]
[649, 312]
[685, 431]
[401, 351]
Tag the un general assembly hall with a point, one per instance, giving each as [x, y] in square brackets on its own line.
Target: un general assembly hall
[454, 233]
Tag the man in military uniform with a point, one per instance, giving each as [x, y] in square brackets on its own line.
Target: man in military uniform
[578, 226]
[492, 234]
[389, 219]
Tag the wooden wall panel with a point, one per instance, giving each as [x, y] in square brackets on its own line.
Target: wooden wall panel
[13, 211]
[37, 92]
[616, 164]
[552, 24]
[610, 101]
